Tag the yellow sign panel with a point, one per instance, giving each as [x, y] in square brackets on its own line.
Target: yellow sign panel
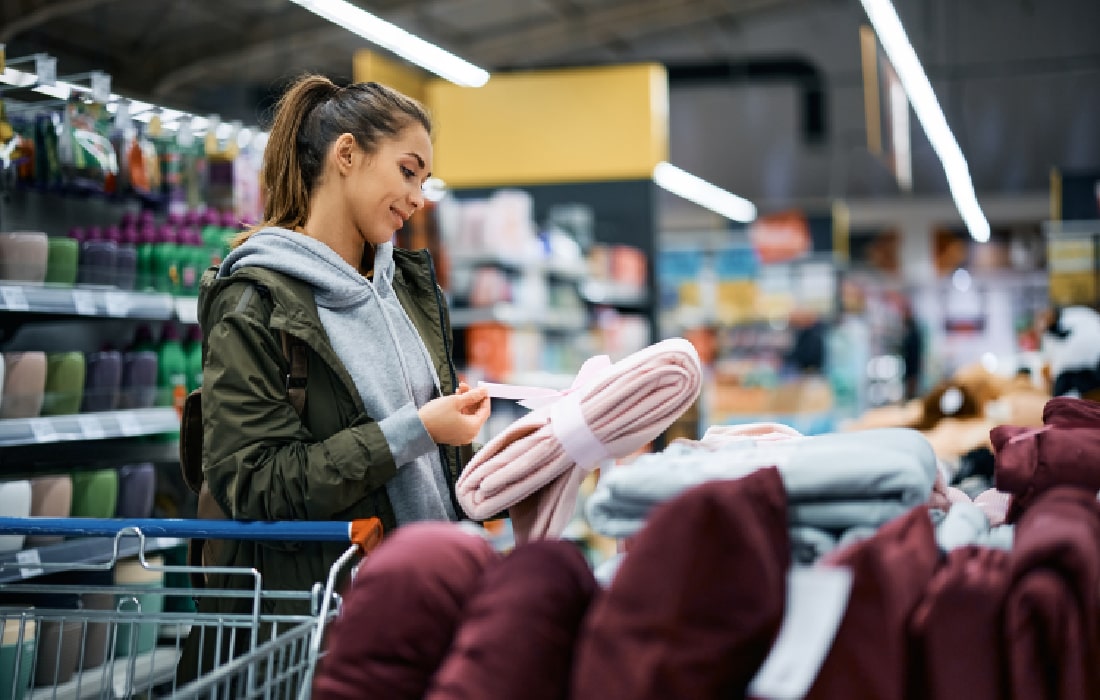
[369, 66]
[539, 127]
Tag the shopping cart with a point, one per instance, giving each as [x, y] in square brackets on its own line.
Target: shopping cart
[113, 635]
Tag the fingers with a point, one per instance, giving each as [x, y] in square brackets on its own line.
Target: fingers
[463, 387]
[471, 397]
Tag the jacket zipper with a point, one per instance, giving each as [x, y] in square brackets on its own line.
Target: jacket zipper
[447, 473]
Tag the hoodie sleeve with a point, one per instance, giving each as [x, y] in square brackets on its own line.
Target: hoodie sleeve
[258, 458]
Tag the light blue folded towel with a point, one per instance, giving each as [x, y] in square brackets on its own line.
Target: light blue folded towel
[834, 482]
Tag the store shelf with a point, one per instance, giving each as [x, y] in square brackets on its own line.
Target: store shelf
[509, 315]
[45, 300]
[72, 554]
[622, 296]
[564, 269]
[88, 426]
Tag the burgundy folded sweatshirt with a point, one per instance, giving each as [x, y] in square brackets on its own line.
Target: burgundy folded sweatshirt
[698, 600]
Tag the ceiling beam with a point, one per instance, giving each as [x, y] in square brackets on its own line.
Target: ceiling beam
[47, 13]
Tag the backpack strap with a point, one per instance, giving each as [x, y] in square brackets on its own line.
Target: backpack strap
[295, 352]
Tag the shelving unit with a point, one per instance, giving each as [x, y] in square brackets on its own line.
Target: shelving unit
[565, 320]
[27, 563]
[555, 269]
[22, 304]
[84, 427]
[619, 296]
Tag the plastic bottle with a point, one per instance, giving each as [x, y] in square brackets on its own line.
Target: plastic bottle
[185, 260]
[97, 259]
[171, 369]
[125, 258]
[211, 222]
[143, 340]
[193, 351]
[165, 261]
[147, 238]
[231, 226]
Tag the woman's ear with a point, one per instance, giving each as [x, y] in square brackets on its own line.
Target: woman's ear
[344, 151]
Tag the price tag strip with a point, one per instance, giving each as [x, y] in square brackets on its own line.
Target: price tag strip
[28, 560]
[14, 298]
[84, 302]
[91, 428]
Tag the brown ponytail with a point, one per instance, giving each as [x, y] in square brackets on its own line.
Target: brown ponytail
[309, 116]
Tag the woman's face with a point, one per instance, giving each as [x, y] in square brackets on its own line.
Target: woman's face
[385, 188]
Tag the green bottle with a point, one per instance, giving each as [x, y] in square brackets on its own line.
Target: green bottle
[188, 262]
[172, 369]
[147, 238]
[165, 267]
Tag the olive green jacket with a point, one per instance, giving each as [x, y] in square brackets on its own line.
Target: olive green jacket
[261, 460]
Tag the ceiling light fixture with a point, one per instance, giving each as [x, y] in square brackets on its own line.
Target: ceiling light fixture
[393, 38]
[896, 44]
[696, 189]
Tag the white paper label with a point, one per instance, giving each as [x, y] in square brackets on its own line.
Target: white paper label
[29, 557]
[816, 600]
[187, 310]
[127, 424]
[43, 430]
[101, 87]
[45, 68]
[84, 302]
[118, 304]
[91, 428]
[14, 298]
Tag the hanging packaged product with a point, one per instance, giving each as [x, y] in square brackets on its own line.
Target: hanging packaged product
[87, 156]
[47, 160]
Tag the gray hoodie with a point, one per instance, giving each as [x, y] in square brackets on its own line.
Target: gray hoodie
[381, 349]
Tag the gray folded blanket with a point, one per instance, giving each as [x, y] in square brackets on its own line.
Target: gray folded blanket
[834, 482]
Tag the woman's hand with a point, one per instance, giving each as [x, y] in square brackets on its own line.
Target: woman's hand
[456, 419]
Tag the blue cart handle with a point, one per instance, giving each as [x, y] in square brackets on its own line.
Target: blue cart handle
[366, 533]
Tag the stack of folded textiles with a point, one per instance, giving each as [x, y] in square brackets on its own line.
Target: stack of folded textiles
[839, 487]
[1065, 451]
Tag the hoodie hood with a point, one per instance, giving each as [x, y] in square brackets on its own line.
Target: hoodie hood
[335, 283]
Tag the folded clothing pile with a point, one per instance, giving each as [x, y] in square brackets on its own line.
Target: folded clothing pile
[834, 482]
[1064, 452]
[535, 466]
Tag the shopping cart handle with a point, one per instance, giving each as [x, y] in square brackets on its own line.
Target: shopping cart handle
[366, 533]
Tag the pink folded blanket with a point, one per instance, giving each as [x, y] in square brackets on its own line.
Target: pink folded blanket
[535, 466]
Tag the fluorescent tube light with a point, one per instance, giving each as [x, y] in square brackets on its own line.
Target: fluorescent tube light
[695, 189]
[896, 44]
[391, 37]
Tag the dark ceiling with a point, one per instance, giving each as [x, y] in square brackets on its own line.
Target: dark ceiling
[1019, 79]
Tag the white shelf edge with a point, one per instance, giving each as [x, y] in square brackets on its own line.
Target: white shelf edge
[89, 301]
[104, 425]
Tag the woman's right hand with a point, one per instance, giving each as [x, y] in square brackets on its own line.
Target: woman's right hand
[456, 419]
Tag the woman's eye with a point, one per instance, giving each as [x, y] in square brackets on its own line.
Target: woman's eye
[406, 172]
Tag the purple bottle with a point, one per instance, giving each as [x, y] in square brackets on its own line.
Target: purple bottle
[139, 375]
[97, 259]
[102, 381]
[125, 258]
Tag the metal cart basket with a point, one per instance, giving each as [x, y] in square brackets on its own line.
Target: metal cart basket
[97, 617]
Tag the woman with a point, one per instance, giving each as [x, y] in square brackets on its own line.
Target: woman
[386, 426]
